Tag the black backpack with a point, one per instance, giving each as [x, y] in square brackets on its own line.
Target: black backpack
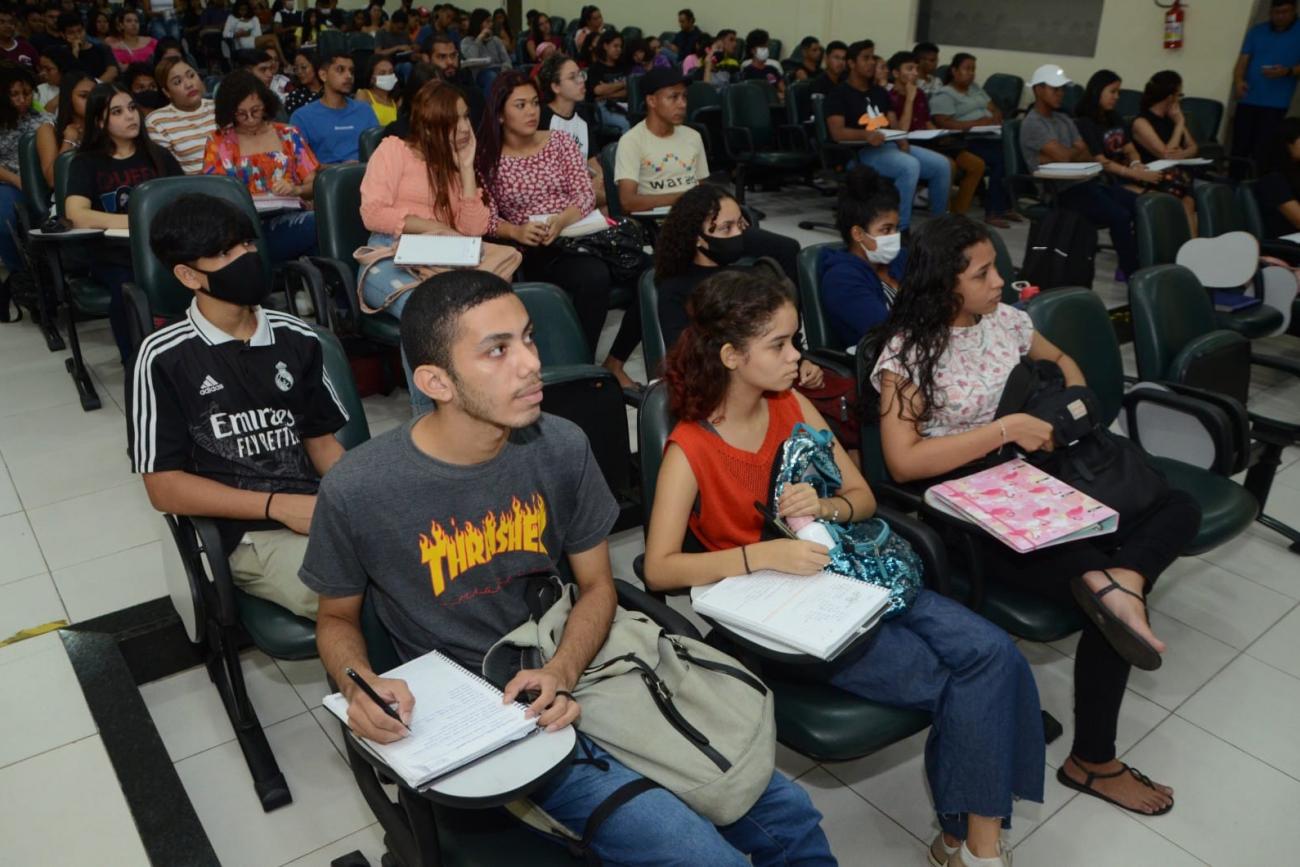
[1061, 251]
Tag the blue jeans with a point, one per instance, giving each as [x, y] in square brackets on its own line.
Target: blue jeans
[162, 27]
[656, 828]
[986, 740]
[11, 199]
[290, 235]
[906, 170]
[609, 117]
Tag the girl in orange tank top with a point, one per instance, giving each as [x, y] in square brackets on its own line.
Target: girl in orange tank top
[729, 377]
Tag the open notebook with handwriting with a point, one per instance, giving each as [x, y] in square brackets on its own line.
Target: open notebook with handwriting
[458, 717]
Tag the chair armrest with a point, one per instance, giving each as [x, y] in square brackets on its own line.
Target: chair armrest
[798, 136]
[311, 278]
[1276, 362]
[704, 134]
[927, 544]
[1225, 424]
[139, 317]
[738, 154]
[557, 374]
[346, 275]
[633, 598]
[834, 360]
[1287, 251]
[218, 567]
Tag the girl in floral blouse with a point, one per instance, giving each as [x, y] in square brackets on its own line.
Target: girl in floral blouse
[951, 346]
[269, 158]
[529, 173]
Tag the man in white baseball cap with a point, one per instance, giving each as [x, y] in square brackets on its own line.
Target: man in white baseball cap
[1049, 74]
[1048, 135]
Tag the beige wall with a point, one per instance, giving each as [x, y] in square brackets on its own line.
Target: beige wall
[1129, 41]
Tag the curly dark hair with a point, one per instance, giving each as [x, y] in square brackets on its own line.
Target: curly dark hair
[235, 88]
[690, 217]
[928, 302]
[864, 195]
[729, 307]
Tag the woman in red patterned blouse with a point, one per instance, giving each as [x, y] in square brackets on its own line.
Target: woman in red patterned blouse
[539, 186]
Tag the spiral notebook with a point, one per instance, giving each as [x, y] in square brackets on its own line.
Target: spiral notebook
[458, 717]
[1024, 507]
[814, 614]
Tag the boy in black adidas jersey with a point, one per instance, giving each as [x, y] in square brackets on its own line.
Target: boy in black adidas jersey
[231, 414]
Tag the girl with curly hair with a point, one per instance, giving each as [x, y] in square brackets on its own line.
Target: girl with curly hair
[950, 347]
[730, 379]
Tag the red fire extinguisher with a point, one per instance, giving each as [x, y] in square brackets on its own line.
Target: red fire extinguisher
[1174, 25]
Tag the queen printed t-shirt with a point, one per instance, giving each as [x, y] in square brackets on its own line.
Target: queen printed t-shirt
[447, 547]
[107, 182]
[661, 166]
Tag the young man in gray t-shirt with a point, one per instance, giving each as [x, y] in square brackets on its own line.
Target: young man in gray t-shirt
[443, 521]
[1048, 135]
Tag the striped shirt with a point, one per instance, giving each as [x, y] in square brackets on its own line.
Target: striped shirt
[184, 133]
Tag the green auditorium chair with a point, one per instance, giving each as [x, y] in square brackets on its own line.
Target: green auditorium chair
[812, 718]
[635, 99]
[34, 212]
[77, 294]
[1073, 92]
[1162, 230]
[652, 333]
[340, 231]
[816, 327]
[754, 143]
[1204, 117]
[1177, 339]
[369, 142]
[1006, 91]
[220, 617]
[585, 393]
[1077, 321]
[833, 156]
[1020, 183]
[1130, 103]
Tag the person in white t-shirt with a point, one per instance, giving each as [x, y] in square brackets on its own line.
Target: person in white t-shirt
[563, 86]
[660, 159]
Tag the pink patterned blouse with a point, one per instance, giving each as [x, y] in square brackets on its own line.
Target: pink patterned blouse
[551, 180]
[972, 372]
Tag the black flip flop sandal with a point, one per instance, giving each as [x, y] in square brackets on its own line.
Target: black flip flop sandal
[1086, 786]
[1135, 649]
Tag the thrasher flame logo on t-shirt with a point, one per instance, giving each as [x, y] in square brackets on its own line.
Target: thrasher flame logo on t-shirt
[448, 553]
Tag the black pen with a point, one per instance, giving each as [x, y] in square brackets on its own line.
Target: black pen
[374, 696]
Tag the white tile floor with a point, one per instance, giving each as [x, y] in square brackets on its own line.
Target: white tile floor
[79, 540]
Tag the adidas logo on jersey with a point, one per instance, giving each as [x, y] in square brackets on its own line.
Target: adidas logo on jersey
[209, 385]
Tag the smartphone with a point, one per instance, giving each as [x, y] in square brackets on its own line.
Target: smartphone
[776, 521]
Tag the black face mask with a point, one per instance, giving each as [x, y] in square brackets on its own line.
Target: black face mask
[241, 281]
[724, 251]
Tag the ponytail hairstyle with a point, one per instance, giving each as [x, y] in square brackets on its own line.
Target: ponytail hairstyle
[730, 307]
[1162, 85]
[928, 303]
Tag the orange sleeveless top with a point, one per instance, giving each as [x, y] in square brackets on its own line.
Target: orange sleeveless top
[731, 480]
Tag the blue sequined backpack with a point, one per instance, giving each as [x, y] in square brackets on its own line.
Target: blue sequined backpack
[867, 550]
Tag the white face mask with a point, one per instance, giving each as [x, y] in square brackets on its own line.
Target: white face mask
[760, 54]
[887, 248]
[386, 82]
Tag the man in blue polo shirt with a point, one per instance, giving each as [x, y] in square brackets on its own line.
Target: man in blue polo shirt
[1265, 78]
[333, 124]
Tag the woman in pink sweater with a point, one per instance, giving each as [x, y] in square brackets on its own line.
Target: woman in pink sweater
[423, 184]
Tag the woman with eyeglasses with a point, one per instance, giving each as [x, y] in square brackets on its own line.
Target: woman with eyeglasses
[563, 86]
[114, 156]
[269, 158]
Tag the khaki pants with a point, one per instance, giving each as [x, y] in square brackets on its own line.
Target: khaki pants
[265, 564]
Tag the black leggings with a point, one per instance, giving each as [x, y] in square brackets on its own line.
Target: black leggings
[1147, 546]
[587, 281]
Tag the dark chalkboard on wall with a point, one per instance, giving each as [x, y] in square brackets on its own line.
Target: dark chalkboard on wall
[1042, 26]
